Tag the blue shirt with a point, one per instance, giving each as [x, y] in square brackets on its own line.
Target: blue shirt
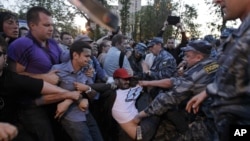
[111, 62]
[67, 79]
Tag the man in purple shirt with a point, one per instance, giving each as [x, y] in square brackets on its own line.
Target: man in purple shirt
[34, 56]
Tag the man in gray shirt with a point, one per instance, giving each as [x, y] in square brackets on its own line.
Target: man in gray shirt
[111, 62]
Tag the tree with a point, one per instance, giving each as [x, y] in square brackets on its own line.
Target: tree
[124, 14]
[188, 15]
[150, 19]
[63, 14]
[218, 16]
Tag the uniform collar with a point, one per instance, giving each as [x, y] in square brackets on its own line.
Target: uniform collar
[243, 27]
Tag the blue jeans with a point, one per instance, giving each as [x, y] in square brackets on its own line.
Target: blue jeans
[82, 130]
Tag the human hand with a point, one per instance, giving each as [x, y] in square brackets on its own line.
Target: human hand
[111, 81]
[7, 131]
[165, 23]
[81, 87]
[51, 77]
[136, 119]
[83, 104]
[74, 95]
[143, 83]
[179, 25]
[62, 108]
[194, 102]
[90, 72]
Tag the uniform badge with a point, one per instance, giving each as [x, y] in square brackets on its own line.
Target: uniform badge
[164, 63]
[211, 67]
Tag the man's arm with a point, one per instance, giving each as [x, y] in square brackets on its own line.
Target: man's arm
[50, 77]
[164, 83]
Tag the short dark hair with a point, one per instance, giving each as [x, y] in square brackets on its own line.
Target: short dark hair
[6, 15]
[3, 44]
[78, 47]
[117, 39]
[64, 33]
[33, 14]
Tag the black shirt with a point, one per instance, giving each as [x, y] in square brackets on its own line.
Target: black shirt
[15, 89]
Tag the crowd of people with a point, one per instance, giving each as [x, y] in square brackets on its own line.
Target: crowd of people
[57, 87]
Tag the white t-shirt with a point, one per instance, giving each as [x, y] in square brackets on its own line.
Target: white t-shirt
[149, 59]
[124, 108]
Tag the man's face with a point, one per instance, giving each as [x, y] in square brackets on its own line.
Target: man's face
[56, 37]
[234, 9]
[155, 49]
[2, 59]
[83, 58]
[191, 57]
[43, 30]
[107, 46]
[10, 28]
[124, 45]
[67, 39]
[170, 43]
[122, 83]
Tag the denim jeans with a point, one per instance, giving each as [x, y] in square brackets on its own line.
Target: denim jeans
[82, 130]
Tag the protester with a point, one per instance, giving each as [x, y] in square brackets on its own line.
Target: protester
[16, 90]
[34, 56]
[112, 59]
[124, 109]
[8, 26]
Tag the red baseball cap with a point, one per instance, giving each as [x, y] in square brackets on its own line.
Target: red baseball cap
[121, 73]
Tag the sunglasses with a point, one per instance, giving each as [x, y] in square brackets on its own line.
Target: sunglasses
[1, 53]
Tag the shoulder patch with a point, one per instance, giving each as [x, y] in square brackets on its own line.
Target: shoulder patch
[211, 67]
[164, 63]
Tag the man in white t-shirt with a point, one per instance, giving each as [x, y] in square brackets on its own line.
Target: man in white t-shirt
[124, 109]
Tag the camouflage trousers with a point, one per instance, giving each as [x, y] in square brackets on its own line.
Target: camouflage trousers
[197, 131]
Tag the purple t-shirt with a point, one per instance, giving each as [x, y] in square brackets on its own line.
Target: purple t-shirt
[29, 53]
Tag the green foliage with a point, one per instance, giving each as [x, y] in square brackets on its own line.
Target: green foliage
[124, 14]
[150, 19]
[188, 16]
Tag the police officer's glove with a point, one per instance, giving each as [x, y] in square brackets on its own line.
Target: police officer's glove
[111, 81]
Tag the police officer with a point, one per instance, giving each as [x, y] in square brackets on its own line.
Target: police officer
[164, 64]
[136, 59]
[230, 89]
[200, 71]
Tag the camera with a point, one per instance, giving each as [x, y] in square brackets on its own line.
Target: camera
[173, 20]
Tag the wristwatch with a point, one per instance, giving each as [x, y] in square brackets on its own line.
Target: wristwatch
[88, 91]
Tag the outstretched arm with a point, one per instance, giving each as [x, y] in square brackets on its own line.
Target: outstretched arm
[164, 83]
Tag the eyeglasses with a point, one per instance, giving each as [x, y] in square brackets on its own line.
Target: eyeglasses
[1, 53]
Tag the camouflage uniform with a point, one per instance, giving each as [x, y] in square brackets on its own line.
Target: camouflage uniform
[230, 89]
[192, 82]
[164, 66]
[135, 62]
